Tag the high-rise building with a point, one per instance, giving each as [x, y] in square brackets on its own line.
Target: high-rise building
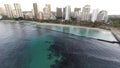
[27, 14]
[2, 11]
[77, 11]
[14, 13]
[64, 13]
[48, 7]
[59, 12]
[32, 12]
[68, 13]
[102, 16]
[18, 10]
[35, 7]
[85, 13]
[9, 10]
[94, 15]
[47, 11]
[40, 15]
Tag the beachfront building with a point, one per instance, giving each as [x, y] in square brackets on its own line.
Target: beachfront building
[35, 9]
[77, 13]
[2, 11]
[64, 13]
[9, 10]
[47, 12]
[67, 12]
[94, 15]
[40, 15]
[102, 16]
[27, 14]
[18, 10]
[85, 13]
[14, 13]
[59, 12]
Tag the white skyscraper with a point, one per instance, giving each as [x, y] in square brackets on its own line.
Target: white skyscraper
[14, 13]
[18, 10]
[9, 10]
[94, 15]
[77, 13]
[85, 13]
[68, 13]
[102, 16]
[47, 11]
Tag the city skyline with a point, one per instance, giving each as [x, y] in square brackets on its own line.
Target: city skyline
[47, 14]
[102, 5]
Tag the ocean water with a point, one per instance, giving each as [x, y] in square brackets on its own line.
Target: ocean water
[25, 45]
[87, 32]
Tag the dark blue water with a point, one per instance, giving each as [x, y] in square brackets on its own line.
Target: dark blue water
[24, 45]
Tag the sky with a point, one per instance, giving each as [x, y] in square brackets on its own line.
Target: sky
[112, 6]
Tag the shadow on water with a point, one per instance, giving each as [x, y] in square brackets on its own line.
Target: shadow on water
[15, 56]
[25, 46]
[80, 52]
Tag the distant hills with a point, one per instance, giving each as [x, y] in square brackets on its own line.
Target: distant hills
[114, 16]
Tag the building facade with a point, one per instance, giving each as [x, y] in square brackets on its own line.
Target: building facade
[40, 15]
[59, 12]
[35, 8]
[18, 10]
[14, 13]
[9, 10]
[67, 13]
[94, 15]
[77, 11]
[85, 13]
[2, 11]
[47, 11]
[64, 13]
[27, 14]
[102, 16]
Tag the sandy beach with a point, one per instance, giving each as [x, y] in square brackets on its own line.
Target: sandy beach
[63, 25]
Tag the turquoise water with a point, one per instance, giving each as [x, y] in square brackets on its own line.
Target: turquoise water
[25, 45]
[87, 32]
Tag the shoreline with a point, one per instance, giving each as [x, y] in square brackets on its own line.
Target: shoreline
[116, 33]
[9, 20]
[63, 25]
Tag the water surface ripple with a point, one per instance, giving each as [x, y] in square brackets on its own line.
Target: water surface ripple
[24, 45]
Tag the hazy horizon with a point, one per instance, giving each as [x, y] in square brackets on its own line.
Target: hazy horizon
[111, 6]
